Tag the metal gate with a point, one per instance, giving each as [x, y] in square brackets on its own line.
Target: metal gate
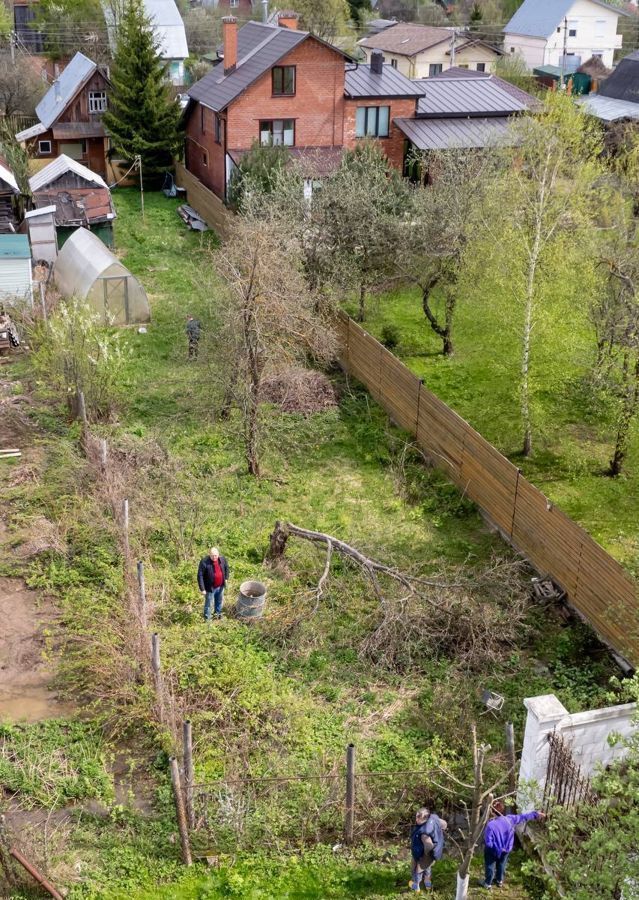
[116, 299]
[566, 784]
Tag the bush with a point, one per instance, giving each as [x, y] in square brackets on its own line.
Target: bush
[390, 337]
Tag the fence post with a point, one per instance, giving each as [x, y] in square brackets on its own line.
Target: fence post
[181, 813]
[125, 526]
[82, 411]
[187, 742]
[142, 588]
[103, 455]
[157, 673]
[349, 817]
[512, 760]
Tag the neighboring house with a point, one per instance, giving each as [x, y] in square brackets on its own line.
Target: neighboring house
[9, 200]
[423, 51]
[243, 8]
[279, 85]
[80, 197]
[540, 29]
[618, 96]
[15, 268]
[169, 32]
[466, 110]
[24, 15]
[70, 117]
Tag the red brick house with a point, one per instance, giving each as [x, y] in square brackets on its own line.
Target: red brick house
[70, 117]
[277, 84]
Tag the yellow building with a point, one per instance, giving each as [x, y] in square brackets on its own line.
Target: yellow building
[422, 51]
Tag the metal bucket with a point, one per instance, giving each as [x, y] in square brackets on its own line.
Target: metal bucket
[251, 600]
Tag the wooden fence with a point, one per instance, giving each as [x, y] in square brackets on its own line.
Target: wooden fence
[597, 585]
[204, 201]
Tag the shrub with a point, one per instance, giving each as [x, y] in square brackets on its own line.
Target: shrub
[390, 337]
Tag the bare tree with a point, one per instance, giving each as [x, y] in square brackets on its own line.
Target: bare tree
[20, 87]
[270, 320]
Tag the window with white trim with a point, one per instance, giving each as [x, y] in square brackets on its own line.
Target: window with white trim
[97, 101]
[44, 148]
[435, 69]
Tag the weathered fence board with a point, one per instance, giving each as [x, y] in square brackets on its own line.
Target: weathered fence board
[204, 202]
[596, 584]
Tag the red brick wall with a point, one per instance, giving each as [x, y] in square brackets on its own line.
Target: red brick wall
[393, 145]
[198, 142]
[317, 107]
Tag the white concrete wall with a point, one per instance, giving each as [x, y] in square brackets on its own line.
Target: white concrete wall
[586, 733]
[596, 32]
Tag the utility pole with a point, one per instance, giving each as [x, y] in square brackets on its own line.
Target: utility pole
[138, 160]
[453, 48]
[12, 45]
[563, 58]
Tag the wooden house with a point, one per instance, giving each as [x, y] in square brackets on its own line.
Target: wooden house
[70, 117]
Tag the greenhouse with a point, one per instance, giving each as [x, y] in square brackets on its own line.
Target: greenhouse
[85, 268]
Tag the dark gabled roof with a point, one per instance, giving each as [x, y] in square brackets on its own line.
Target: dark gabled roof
[539, 18]
[623, 84]
[450, 134]
[363, 82]
[259, 48]
[464, 97]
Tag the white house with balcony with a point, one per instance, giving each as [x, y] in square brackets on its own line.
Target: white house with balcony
[541, 30]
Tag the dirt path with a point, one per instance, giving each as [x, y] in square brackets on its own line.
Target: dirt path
[25, 676]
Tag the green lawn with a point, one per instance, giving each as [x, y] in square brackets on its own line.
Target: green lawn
[287, 696]
[573, 434]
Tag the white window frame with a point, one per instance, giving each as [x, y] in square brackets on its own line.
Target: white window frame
[97, 102]
[43, 152]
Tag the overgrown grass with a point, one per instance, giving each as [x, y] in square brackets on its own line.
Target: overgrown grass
[574, 433]
[286, 696]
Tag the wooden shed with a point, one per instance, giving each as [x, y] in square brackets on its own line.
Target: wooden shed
[86, 269]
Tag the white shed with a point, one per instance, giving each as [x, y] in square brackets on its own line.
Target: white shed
[15, 268]
[42, 234]
[87, 269]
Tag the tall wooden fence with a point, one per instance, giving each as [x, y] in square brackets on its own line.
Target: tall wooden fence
[597, 585]
[204, 201]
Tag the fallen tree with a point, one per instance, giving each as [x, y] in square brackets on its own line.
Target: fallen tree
[473, 618]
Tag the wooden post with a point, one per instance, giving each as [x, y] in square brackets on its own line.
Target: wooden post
[125, 526]
[157, 673]
[104, 455]
[349, 817]
[82, 411]
[142, 587]
[187, 741]
[43, 301]
[181, 813]
[512, 760]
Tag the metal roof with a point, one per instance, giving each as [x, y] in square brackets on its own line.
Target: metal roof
[608, 109]
[363, 82]
[451, 97]
[59, 167]
[14, 246]
[518, 93]
[78, 206]
[216, 90]
[539, 18]
[450, 134]
[63, 90]
[168, 28]
[8, 177]
[67, 130]
[32, 132]
[623, 83]
[40, 211]
[407, 38]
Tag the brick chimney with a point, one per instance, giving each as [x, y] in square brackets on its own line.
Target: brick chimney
[377, 62]
[229, 41]
[288, 19]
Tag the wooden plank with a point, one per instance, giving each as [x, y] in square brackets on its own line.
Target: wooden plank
[216, 215]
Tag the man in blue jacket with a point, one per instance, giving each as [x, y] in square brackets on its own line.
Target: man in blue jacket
[426, 846]
[499, 841]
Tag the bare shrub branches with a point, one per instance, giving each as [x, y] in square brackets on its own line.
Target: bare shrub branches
[470, 619]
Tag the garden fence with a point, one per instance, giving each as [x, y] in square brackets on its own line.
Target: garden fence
[597, 586]
[566, 785]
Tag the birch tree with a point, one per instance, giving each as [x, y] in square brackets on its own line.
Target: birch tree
[531, 250]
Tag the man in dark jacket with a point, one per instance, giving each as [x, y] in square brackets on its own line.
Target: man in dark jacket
[193, 329]
[426, 845]
[212, 575]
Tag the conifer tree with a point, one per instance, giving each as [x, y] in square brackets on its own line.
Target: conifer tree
[142, 118]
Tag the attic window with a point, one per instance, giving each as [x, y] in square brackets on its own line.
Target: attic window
[44, 148]
[97, 101]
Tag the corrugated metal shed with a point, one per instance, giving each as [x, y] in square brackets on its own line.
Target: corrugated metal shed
[540, 18]
[216, 90]
[64, 89]
[85, 268]
[449, 97]
[363, 82]
[15, 268]
[60, 166]
[608, 109]
[168, 28]
[450, 134]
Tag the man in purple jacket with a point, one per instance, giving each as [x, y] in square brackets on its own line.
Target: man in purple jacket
[499, 840]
